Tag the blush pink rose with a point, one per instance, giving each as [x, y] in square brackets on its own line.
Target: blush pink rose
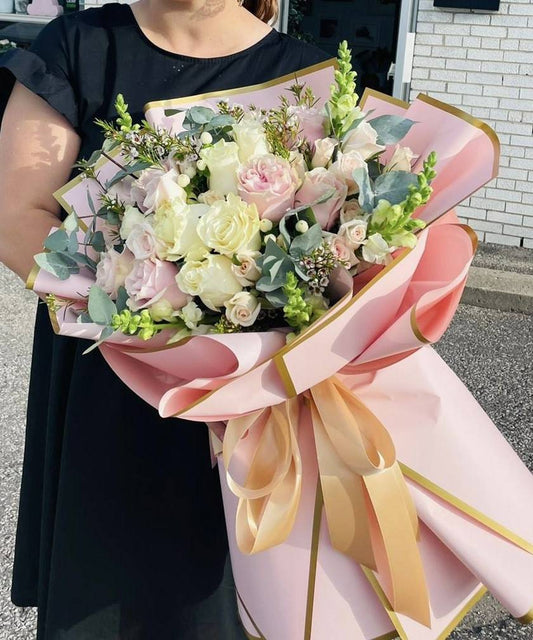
[151, 281]
[155, 186]
[270, 183]
[142, 241]
[318, 183]
[345, 165]
[112, 270]
[311, 122]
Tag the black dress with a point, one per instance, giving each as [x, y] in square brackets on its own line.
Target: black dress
[121, 532]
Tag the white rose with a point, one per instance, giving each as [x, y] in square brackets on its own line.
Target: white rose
[112, 270]
[142, 241]
[191, 314]
[362, 139]
[250, 135]
[324, 149]
[162, 310]
[154, 186]
[132, 217]
[297, 162]
[353, 233]
[242, 309]
[175, 226]
[247, 271]
[210, 197]
[401, 159]
[212, 280]
[351, 209]
[230, 226]
[345, 165]
[376, 250]
[222, 160]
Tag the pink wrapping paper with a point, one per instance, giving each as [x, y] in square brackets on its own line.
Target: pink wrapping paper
[468, 485]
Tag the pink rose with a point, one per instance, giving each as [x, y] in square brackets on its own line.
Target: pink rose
[151, 281]
[345, 165]
[270, 183]
[311, 122]
[112, 270]
[142, 241]
[316, 185]
[341, 251]
[363, 139]
[353, 232]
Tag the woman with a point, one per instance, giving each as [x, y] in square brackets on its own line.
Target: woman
[121, 532]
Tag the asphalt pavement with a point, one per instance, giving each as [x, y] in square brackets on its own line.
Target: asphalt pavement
[492, 352]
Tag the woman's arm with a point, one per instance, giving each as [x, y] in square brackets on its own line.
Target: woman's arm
[38, 147]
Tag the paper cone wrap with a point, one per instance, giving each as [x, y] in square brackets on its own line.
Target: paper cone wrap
[366, 492]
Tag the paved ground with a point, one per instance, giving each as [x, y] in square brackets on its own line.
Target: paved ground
[490, 350]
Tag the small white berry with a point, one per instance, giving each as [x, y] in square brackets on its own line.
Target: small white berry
[183, 180]
[302, 226]
[206, 138]
[201, 164]
[265, 225]
[190, 171]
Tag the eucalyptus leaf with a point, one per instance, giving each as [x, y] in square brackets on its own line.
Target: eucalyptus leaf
[200, 115]
[98, 241]
[101, 308]
[274, 264]
[221, 120]
[366, 195]
[106, 333]
[82, 258]
[304, 243]
[71, 222]
[109, 145]
[391, 128]
[58, 264]
[127, 171]
[56, 241]
[277, 298]
[73, 242]
[122, 298]
[394, 186]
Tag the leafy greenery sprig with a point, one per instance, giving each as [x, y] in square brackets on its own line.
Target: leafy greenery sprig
[342, 103]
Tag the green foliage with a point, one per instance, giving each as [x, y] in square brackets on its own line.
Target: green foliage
[390, 128]
[124, 119]
[343, 100]
[59, 264]
[100, 306]
[296, 311]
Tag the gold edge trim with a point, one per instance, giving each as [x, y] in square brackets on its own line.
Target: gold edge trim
[473, 236]
[462, 613]
[385, 602]
[416, 329]
[58, 195]
[313, 560]
[368, 92]
[32, 277]
[387, 636]
[467, 509]
[463, 115]
[285, 376]
[527, 618]
[173, 102]
[260, 636]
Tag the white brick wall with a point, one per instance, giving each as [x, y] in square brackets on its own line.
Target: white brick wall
[483, 64]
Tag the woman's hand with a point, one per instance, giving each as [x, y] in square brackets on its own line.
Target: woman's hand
[38, 147]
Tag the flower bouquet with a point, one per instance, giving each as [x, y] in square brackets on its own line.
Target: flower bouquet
[279, 267]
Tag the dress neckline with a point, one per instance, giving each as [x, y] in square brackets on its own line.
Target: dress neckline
[266, 39]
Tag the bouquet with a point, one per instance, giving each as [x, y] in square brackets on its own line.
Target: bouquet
[248, 219]
[283, 267]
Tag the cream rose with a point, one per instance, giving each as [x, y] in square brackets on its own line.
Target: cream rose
[401, 159]
[191, 314]
[270, 183]
[210, 197]
[324, 149]
[230, 226]
[353, 233]
[351, 209]
[212, 280]
[222, 160]
[341, 250]
[151, 281]
[319, 182]
[250, 136]
[345, 165]
[132, 217]
[112, 270]
[376, 250]
[247, 271]
[362, 139]
[297, 162]
[242, 309]
[175, 227]
[155, 186]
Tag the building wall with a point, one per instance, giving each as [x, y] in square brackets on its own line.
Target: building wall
[483, 64]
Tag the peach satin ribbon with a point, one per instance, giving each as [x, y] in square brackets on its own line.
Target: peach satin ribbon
[369, 511]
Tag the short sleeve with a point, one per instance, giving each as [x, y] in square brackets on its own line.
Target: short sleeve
[44, 70]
